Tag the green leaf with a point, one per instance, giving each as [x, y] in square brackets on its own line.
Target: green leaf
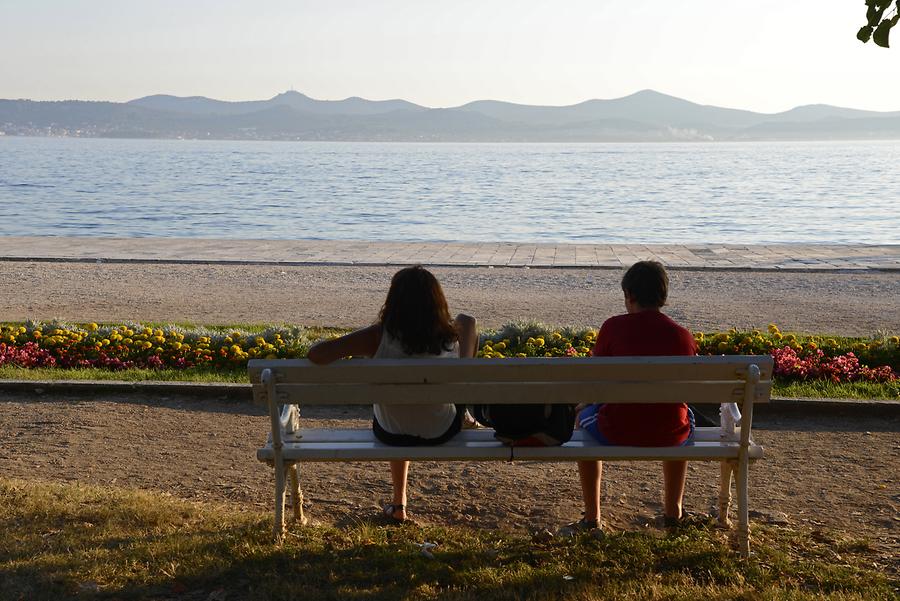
[864, 33]
[880, 36]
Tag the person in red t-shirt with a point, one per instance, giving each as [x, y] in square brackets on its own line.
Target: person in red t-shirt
[643, 331]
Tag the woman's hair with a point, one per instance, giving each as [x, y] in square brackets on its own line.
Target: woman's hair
[415, 312]
[647, 283]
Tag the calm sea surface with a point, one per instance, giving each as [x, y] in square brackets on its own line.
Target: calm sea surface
[747, 193]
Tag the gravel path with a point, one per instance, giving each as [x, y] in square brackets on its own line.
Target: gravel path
[844, 303]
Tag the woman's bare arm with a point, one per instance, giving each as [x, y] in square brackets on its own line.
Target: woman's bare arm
[468, 337]
[361, 343]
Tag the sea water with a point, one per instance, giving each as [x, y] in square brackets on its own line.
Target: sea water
[739, 193]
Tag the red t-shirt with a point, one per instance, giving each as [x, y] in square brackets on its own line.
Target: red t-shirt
[645, 333]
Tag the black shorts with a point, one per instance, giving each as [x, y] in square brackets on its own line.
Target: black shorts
[409, 440]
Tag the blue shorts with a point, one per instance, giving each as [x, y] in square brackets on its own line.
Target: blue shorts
[587, 421]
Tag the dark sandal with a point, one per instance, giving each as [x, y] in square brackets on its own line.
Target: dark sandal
[582, 525]
[388, 513]
[670, 522]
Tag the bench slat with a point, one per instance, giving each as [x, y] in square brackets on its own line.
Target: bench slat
[520, 392]
[533, 369]
[311, 435]
[375, 451]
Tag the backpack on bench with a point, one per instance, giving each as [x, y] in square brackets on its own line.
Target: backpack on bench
[528, 425]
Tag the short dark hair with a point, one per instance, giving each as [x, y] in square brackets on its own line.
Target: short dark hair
[415, 312]
[647, 283]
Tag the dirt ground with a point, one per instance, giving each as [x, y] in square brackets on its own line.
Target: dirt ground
[843, 303]
[837, 471]
[830, 470]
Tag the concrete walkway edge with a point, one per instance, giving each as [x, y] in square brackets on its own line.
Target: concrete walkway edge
[286, 253]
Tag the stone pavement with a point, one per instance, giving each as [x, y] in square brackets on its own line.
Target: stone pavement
[780, 257]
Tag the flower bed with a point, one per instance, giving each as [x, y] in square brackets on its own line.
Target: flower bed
[128, 346]
[117, 347]
[796, 357]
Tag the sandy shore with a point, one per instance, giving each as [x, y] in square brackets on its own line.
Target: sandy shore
[845, 303]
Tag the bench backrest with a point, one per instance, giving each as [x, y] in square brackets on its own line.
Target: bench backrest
[699, 379]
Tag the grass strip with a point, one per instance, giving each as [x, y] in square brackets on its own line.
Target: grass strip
[63, 540]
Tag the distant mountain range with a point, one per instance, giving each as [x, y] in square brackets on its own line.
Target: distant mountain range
[645, 116]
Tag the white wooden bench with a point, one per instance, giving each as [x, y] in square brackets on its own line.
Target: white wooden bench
[284, 384]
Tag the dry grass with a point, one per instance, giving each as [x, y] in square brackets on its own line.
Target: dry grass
[109, 543]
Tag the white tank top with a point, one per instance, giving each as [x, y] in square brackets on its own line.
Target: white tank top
[425, 421]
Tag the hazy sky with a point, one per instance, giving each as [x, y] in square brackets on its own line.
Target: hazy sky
[764, 55]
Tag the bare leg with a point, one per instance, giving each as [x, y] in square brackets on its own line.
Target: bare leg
[674, 475]
[589, 473]
[399, 474]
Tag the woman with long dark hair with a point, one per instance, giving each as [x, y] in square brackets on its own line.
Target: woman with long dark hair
[414, 323]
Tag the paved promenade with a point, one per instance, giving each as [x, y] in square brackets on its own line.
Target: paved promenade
[783, 257]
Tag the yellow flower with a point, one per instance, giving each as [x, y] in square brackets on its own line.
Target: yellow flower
[92, 327]
[539, 341]
[521, 355]
[500, 346]
[773, 329]
[555, 336]
[895, 339]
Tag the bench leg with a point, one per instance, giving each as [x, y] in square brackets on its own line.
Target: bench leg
[296, 495]
[726, 470]
[743, 476]
[279, 501]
